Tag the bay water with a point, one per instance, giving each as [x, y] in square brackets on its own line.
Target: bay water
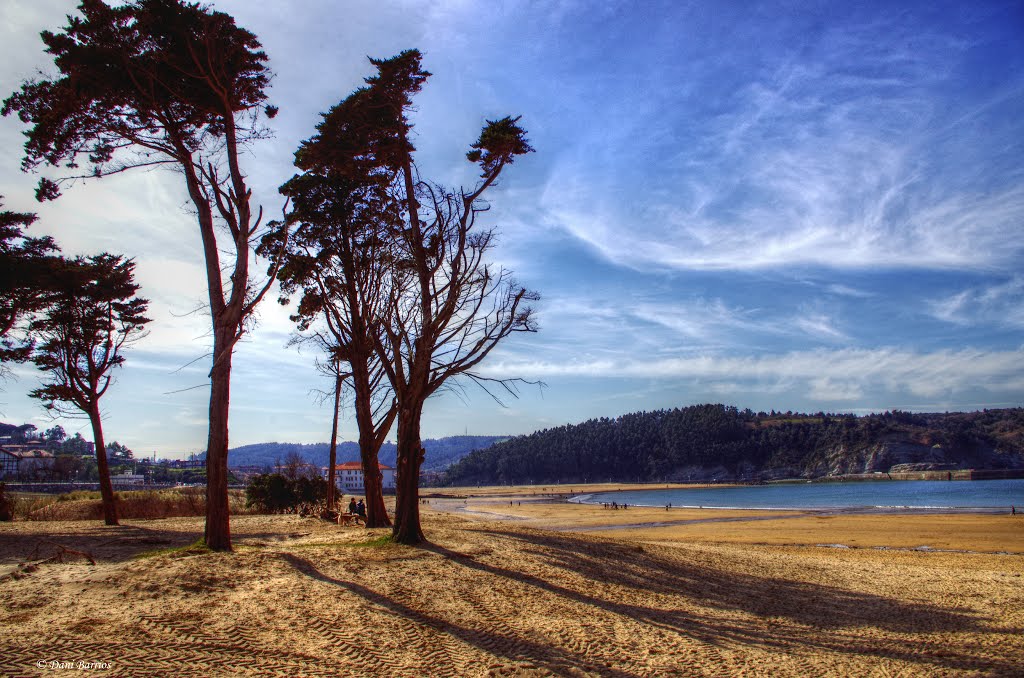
[888, 494]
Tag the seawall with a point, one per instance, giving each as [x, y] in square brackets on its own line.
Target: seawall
[960, 474]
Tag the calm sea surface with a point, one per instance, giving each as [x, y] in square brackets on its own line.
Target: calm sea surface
[881, 494]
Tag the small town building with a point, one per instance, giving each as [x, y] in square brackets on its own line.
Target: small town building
[247, 471]
[349, 477]
[8, 463]
[24, 460]
[194, 461]
[127, 479]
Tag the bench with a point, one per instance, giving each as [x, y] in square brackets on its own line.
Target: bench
[350, 519]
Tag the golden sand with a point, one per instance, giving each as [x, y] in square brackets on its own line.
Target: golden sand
[527, 589]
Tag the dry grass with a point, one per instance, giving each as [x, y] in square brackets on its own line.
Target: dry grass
[137, 505]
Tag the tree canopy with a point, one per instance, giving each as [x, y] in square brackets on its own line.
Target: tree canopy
[161, 79]
[93, 315]
[26, 271]
[395, 266]
[447, 307]
[164, 82]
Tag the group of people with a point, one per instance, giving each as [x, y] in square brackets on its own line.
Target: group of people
[357, 509]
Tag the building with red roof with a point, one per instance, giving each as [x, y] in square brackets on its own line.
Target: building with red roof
[349, 477]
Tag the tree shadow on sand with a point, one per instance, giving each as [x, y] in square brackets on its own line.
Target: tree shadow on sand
[778, 614]
[514, 648]
[105, 543]
[117, 543]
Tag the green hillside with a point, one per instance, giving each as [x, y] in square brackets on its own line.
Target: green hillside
[706, 442]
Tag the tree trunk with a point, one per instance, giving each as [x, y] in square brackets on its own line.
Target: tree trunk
[106, 488]
[225, 325]
[332, 487]
[218, 527]
[373, 490]
[376, 511]
[410, 457]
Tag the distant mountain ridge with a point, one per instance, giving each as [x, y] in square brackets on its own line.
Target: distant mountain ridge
[440, 452]
[706, 442]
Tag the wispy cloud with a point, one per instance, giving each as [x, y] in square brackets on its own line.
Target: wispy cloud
[847, 291]
[818, 162]
[702, 319]
[999, 304]
[819, 324]
[837, 375]
[645, 323]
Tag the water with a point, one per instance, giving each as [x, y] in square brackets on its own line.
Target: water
[917, 494]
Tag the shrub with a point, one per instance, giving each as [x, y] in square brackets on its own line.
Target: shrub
[276, 493]
[6, 505]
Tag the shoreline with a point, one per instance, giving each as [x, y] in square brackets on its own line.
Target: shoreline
[523, 494]
[805, 510]
[962, 529]
[830, 510]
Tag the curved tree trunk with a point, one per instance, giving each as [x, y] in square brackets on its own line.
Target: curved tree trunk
[106, 488]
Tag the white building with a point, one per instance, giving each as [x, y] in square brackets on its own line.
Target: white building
[349, 477]
[127, 479]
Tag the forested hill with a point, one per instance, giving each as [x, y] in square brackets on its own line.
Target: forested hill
[440, 453]
[715, 441]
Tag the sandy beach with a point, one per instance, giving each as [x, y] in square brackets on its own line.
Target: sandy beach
[515, 586]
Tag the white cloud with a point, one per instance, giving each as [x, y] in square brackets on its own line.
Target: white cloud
[702, 319]
[1000, 304]
[818, 162]
[838, 375]
[830, 390]
[847, 291]
[820, 325]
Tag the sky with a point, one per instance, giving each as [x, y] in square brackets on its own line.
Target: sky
[777, 205]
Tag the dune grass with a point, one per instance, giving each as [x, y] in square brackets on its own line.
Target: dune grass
[137, 504]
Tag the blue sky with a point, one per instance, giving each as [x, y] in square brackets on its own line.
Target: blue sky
[788, 205]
